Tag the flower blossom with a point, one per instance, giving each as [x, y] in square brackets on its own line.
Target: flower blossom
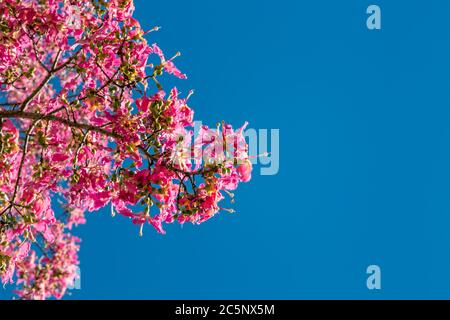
[84, 124]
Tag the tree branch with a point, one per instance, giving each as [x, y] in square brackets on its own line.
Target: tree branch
[50, 117]
[50, 74]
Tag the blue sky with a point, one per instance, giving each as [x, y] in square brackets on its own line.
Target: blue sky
[364, 156]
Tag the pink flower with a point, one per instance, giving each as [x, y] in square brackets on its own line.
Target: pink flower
[245, 171]
[143, 104]
[156, 223]
[60, 157]
[170, 67]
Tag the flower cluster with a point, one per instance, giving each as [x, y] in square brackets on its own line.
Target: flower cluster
[84, 119]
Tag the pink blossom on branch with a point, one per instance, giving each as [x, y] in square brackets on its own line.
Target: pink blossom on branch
[85, 120]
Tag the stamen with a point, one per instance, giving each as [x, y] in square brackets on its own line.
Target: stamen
[141, 233]
[175, 56]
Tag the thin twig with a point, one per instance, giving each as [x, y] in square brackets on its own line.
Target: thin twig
[51, 117]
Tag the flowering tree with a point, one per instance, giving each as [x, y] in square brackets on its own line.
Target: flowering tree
[84, 120]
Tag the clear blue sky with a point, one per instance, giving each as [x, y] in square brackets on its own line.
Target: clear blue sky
[364, 119]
